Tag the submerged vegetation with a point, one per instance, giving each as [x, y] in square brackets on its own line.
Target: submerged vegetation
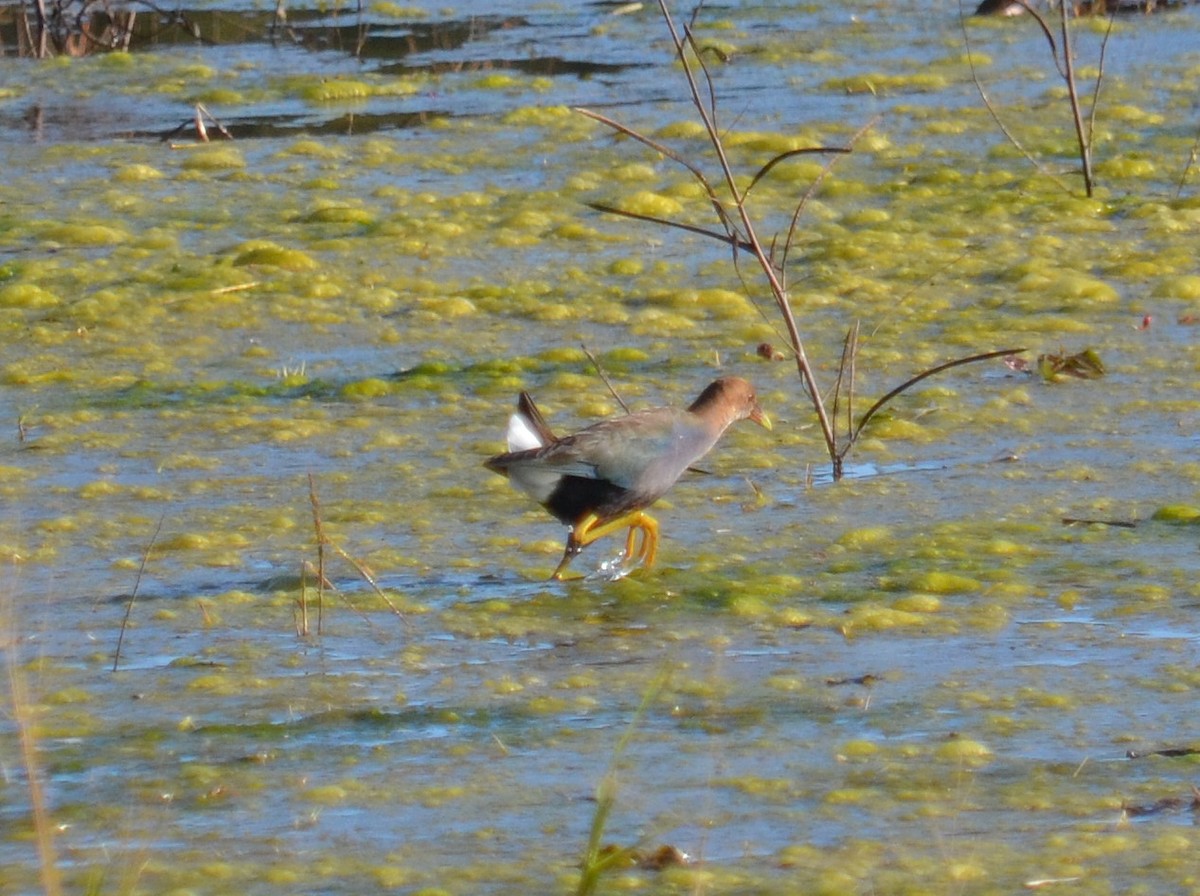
[268, 626]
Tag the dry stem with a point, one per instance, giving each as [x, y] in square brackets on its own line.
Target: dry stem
[137, 582]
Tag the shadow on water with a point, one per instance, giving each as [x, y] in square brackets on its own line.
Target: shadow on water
[452, 46]
[80, 29]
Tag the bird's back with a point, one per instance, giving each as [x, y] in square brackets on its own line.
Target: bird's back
[612, 467]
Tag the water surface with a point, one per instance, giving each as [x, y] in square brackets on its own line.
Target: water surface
[918, 679]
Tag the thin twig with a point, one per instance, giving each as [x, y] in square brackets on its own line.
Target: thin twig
[1112, 20]
[236, 287]
[368, 577]
[1068, 73]
[957, 362]
[1192, 158]
[666, 222]
[321, 542]
[777, 290]
[792, 153]
[837, 383]
[133, 594]
[302, 603]
[671, 154]
[987, 102]
[789, 241]
[604, 377]
[324, 541]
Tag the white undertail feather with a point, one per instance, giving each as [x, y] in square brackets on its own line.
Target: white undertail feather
[521, 436]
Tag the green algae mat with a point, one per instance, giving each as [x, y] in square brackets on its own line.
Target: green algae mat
[268, 624]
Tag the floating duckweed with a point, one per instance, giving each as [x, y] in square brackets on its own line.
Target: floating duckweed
[339, 214]
[725, 304]
[25, 295]
[790, 617]
[962, 872]
[963, 750]
[136, 173]
[1126, 167]
[449, 306]
[858, 749]
[900, 428]
[118, 59]
[213, 157]
[1058, 285]
[851, 796]
[1186, 286]
[682, 130]
[1177, 514]
[497, 81]
[545, 704]
[579, 681]
[871, 617]
[645, 202]
[749, 607]
[864, 539]
[261, 252]
[882, 83]
[595, 409]
[1144, 593]
[101, 488]
[627, 267]
[627, 355]
[327, 794]
[918, 603]
[938, 582]
[221, 96]
[1132, 115]
[867, 217]
[396, 11]
[574, 230]
[504, 686]
[187, 461]
[631, 172]
[543, 116]
[786, 683]
[224, 685]
[86, 234]
[335, 90]
[186, 541]
[800, 170]
[68, 696]
[767, 143]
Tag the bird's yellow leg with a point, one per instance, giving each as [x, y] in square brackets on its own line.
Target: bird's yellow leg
[649, 527]
[590, 529]
[631, 540]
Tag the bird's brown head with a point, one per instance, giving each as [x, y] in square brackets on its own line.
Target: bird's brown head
[728, 400]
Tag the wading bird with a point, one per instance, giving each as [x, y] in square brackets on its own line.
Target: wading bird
[600, 480]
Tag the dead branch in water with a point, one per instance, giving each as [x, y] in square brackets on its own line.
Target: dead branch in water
[324, 541]
[738, 228]
[137, 582]
[1064, 62]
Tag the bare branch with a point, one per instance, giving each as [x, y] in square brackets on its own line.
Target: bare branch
[604, 376]
[137, 582]
[792, 153]
[987, 103]
[730, 239]
[909, 383]
[768, 268]
[812, 191]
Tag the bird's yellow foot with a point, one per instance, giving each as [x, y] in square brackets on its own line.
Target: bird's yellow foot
[590, 529]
